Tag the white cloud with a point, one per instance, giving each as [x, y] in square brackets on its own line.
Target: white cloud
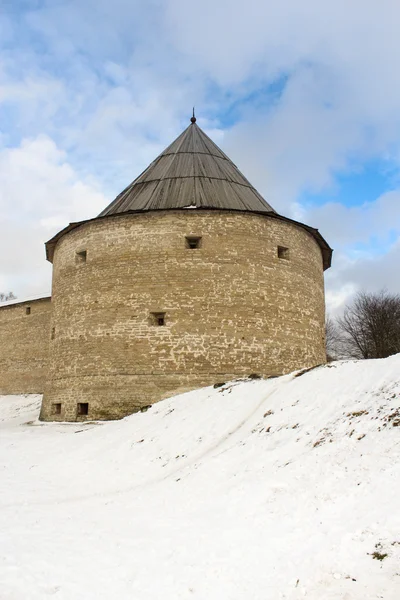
[366, 241]
[369, 273]
[39, 194]
[346, 224]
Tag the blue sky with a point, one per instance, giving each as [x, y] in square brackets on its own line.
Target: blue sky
[303, 97]
[355, 187]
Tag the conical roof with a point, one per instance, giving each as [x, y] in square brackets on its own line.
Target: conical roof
[191, 172]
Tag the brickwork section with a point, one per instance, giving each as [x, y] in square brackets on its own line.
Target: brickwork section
[24, 346]
[232, 307]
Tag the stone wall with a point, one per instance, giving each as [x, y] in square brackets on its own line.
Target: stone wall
[24, 346]
[231, 307]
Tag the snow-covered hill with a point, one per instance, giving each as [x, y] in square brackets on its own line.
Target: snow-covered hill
[255, 490]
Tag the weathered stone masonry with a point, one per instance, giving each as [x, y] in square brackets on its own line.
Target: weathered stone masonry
[24, 346]
[232, 307]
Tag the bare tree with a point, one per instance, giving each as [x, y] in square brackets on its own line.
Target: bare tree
[4, 297]
[370, 326]
[332, 339]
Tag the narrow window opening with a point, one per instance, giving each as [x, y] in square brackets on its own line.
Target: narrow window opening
[193, 241]
[56, 408]
[28, 310]
[53, 333]
[283, 252]
[158, 319]
[83, 408]
[81, 256]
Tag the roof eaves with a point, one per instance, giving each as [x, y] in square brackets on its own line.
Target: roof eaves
[24, 300]
[326, 250]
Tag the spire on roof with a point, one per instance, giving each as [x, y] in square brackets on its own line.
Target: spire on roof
[192, 171]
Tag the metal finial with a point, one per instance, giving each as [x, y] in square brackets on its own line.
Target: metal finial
[193, 119]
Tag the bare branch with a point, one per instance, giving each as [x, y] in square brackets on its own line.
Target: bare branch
[332, 339]
[4, 297]
[370, 326]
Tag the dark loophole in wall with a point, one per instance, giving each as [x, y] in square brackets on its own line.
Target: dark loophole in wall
[56, 408]
[28, 310]
[81, 256]
[193, 242]
[283, 252]
[158, 319]
[83, 408]
[53, 333]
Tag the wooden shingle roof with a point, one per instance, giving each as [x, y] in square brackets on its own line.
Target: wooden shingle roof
[191, 172]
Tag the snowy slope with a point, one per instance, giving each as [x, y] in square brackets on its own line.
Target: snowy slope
[256, 490]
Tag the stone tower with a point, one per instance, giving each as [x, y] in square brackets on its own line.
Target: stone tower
[189, 277]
